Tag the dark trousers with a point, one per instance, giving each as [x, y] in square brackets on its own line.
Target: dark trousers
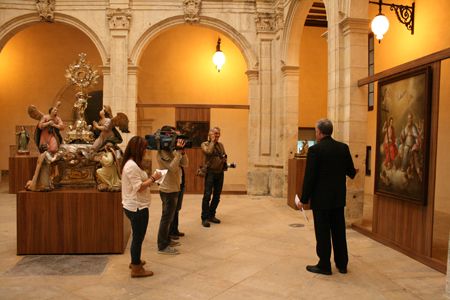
[169, 205]
[213, 185]
[329, 225]
[174, 225]
[139, 223]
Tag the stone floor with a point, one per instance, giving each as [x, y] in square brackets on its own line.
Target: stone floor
[253, 254]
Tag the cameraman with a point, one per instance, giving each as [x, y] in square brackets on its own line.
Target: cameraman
[214, 159]
[169, 190]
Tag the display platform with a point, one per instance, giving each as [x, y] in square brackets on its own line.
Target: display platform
[21, 169]
[71, 222]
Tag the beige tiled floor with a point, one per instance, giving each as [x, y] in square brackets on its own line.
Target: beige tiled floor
[253, 254]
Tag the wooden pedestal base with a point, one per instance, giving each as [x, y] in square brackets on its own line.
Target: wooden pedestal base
[296, 173]
[71, 222]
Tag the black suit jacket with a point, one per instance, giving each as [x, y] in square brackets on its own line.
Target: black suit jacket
[325, 183]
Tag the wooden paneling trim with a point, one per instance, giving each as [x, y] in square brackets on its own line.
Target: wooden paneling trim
[431, 262]
[429, 59]
[402, 222]
[192, 114]
[176, 105]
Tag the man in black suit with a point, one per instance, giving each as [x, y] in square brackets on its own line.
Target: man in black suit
[327, 166]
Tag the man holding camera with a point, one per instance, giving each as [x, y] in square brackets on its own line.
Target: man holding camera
[214, 158]
[172, 161]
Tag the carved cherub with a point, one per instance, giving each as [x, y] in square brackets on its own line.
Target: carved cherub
[48, 128]
[107, 128]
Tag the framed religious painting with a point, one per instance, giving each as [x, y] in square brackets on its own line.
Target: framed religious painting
[403, 135]
[196, 130]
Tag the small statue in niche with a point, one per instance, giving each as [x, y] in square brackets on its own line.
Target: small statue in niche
[23, 139]
[106, 128]
[41, 181]
[108, 176]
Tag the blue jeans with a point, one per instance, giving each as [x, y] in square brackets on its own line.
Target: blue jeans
[213, 185]
[174, 225]
[169, 205]
[139, 223]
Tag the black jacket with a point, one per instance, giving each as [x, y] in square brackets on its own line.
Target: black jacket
[328, 164]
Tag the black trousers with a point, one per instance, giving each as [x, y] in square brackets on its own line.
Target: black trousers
[174, 225]
[329, 226]
[139, 223]
[213, 185]
[169, 205]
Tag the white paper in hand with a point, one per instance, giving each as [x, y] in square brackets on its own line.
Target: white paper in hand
[164, 173]
[297, 201]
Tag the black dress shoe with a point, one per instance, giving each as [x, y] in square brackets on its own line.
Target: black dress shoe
[343, 271]
[315, 269]
[205, 223]
[214, 220]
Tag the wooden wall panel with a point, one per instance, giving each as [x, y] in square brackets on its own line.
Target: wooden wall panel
[406, 224]
[194, 184]
[192, 114]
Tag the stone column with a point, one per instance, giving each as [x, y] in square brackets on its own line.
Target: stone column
[117, 89]
[290, 116]
[347, 103]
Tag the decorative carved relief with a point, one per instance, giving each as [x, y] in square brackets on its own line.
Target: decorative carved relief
[45, 9]
[192, 10]
[269, 21]
[119, 18]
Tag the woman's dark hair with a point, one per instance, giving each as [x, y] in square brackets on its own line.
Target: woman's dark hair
[106, 112]
[50, 110]
[134, 151]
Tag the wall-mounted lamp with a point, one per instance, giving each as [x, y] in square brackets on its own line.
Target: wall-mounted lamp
[219, 57]
[405, 14]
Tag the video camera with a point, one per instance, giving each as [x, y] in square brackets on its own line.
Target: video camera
[168, 143]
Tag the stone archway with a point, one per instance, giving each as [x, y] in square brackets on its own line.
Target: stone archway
[12, 27]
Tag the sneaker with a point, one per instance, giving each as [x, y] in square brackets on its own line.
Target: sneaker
[214, 220]
[174, 244]
[205, 223]
[169, 251]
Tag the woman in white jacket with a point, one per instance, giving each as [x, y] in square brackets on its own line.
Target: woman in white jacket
[136, 199]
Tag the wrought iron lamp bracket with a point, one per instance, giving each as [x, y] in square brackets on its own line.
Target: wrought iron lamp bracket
[404, 13]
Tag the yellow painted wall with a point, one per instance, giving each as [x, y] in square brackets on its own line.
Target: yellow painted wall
[32, 69]
[397, 47]
[313, 80]
[177, 67]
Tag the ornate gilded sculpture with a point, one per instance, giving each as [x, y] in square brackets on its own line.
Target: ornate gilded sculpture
[81, 75]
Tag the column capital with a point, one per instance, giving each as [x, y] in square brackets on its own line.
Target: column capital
[290, 70]
[354, 25]
[252, 74]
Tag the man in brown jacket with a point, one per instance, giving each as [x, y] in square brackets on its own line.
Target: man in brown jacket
[214, 159]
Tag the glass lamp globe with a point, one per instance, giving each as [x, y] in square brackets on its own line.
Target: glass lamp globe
[219, 59]
[380, 25]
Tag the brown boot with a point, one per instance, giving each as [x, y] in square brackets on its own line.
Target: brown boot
[139, 271]
[143, 262]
